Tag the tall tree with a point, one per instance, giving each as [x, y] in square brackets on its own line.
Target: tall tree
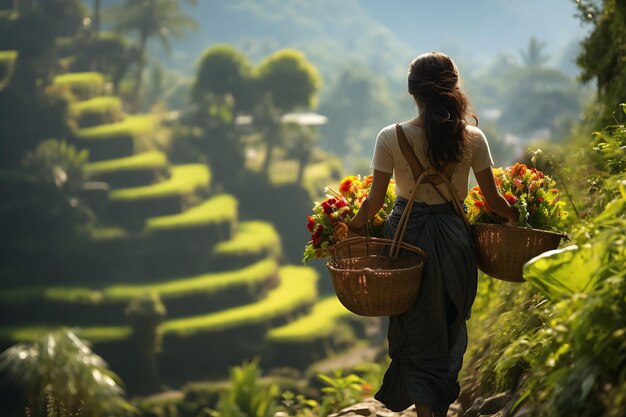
[60, 372]
[287, 81]
[162, 19]
[144, 315]
[96, 17]
[223, 70]
[604, 52]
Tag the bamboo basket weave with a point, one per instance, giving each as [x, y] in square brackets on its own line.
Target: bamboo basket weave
[370, 283]
[502, 251]
[372, 276]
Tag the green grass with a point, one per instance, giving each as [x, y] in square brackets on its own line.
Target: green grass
[219, 209]
[209, 283]
[93, 334]
[7, 57]
[80, 80]
[131, 126]
[138, 162]
[297, 288]
[185, 179]
[251, 238]
[317, 324]
[99, 105]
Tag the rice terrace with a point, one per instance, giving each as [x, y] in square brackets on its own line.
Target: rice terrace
[273, 208]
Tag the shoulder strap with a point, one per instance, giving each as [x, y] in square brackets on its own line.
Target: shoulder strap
[434, 178]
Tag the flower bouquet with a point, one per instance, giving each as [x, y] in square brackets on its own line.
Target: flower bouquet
[328, 222]
[527, 189]
[502, 251]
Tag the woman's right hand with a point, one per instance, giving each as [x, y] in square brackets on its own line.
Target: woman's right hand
[498, 204]
[513, 220]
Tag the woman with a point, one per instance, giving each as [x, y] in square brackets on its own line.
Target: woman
[427, 343]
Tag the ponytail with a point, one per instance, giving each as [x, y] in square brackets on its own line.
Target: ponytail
[434, 83]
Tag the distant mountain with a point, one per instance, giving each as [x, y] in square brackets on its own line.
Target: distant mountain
[381, 35]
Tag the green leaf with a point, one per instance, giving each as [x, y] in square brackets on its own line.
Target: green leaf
[566, 271]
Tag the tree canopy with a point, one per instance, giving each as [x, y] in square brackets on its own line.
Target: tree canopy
[290, 78]
[604, 50]
[223, 70]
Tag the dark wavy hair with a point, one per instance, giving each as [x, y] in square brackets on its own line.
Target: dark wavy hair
[435, 85]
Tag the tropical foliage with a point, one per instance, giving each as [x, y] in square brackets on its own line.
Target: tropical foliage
[60, 372]
[560, 343]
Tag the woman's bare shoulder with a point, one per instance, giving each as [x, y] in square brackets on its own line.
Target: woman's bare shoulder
[474, 131]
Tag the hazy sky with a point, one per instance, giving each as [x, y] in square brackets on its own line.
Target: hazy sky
[479, 29]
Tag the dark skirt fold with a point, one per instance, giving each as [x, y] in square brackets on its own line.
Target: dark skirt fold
[427, 343]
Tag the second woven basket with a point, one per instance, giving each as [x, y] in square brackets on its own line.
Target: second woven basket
[502, 251]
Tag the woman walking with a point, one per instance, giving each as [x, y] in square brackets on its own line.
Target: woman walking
[427, 343]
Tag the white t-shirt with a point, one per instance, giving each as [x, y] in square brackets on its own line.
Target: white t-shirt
[388, 158]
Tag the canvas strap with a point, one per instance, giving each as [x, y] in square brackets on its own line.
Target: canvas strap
[430, 175]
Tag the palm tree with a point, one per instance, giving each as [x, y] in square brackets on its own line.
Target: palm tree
[534, 56]
[60, 372]
[151, 18]
[96, 18]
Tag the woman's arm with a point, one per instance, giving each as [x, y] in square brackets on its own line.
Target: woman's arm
[494, 199]
[375, 200]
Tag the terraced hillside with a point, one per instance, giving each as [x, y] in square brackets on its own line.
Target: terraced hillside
[167, 234]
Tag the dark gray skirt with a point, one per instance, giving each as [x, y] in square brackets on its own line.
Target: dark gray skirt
[427, 343]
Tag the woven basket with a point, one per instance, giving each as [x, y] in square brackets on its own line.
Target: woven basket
[502, 251]
[370, 283]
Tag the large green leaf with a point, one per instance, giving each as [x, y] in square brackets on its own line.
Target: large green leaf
[567, 271]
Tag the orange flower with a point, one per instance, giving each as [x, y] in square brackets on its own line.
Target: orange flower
[345, 185]
[510, 197]
[341, 232]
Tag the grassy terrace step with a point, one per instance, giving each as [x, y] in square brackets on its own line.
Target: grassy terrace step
[7, 65]
[142, 161]
[297, 288]
[319, 323]
[253, 240]
[130, 127]
[217, 210]
[116, 140]
[137, 170]
[98, 111]
[131, 207]
[209, 283]
[185, 179]
[83, 84]
[7, 57]
[93, 334]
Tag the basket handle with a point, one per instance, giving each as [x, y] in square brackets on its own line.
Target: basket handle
[404, 219]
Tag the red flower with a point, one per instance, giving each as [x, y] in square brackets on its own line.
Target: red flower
[311, 223]
[479, 204]
[317, 236]
[327, 205]
[342, 202]
[540, 199]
